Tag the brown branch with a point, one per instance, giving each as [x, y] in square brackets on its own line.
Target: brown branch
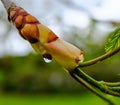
[7, 3]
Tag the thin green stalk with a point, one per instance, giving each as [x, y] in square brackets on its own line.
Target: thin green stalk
[95, 83]
[111, 84]
[92, 89]
[116, 89]
[98, 59]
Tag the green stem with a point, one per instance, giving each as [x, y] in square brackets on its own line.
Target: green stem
[98, 59]
[92, 89]
[116, 89]
[93, 82]
[115, 84]
[112, 86]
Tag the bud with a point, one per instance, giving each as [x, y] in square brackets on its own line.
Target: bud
[26, 24]
[44, 41]
[65, 53]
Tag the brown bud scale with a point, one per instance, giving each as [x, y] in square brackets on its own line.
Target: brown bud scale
[51, 37]
[26, 24]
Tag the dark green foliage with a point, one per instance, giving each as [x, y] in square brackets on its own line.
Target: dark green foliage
[30, 74]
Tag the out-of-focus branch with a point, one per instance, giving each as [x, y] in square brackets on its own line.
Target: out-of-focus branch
[7, 3]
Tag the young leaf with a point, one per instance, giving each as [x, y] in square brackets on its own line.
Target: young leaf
[113, 40]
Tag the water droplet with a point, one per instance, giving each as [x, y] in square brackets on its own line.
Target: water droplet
[47, 60]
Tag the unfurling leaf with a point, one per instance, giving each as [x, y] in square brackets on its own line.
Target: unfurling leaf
[113, 40]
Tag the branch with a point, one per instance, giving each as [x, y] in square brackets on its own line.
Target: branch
[91, 88]
[77, 73]
[7, 3]
[115, 91]
[111, 84]
[98, 59]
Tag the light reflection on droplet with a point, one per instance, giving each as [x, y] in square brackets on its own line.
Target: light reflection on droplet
[47, 60]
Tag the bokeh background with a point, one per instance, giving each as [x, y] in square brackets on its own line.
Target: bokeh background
[25, 78]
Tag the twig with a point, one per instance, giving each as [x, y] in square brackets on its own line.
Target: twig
[92, 89]
[7, 3]
[80, 76]
[110, 83]
[98, 59]
[104, 88]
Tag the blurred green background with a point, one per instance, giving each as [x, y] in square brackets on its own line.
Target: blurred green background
[25, 79]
